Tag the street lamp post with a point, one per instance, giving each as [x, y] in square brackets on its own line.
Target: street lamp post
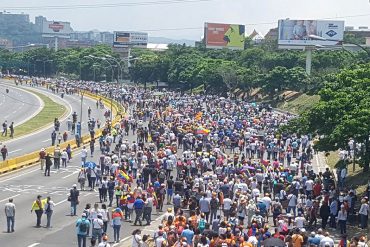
[45, 61]
[111, 65]
[82, 99]
[111, 104]
[105, 59]
[119, 72]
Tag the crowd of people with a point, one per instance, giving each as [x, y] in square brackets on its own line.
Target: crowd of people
[225, 173]
[218, 170]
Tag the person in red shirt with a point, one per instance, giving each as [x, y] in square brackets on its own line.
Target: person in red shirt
[42, 156]
[317, 189]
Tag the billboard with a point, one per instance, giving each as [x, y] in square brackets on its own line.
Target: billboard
[217, 35]
[310, 32]
[130, 39]
[56, 28]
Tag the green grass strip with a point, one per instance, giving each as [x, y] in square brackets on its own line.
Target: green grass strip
[44, 118]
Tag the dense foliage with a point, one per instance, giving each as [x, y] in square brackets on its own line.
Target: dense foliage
[342, 113]
[218, 71]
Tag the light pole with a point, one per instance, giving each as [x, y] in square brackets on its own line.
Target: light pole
[98, 65]
[119, 65]
[82, 99]
[111, 65]
[111, 104]
[92, 58]
[105, 59]
[46, 61]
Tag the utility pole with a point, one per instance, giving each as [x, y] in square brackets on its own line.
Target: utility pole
[82, 99]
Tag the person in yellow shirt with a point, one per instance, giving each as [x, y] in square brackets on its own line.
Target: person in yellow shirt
[297, 239]
[38, 206]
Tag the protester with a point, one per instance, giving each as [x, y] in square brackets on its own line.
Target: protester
[10, 215]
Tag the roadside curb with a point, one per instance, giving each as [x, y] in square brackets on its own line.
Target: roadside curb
[33, 158]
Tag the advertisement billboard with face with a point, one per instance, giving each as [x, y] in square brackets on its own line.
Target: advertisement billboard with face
[310, 32]
[220, 36]
[130, 39]
[57, 28]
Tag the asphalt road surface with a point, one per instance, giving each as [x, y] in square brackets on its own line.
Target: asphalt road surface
[17, 105]
[42, 138]
[26, 184]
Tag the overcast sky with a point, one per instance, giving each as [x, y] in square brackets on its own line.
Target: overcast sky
[188, 18]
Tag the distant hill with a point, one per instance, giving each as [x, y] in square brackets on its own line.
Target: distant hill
[162, 40]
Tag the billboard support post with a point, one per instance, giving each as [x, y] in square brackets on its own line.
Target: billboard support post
[56, 44]
[308, 61]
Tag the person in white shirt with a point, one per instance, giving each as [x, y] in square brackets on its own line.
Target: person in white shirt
[364, 213]
[292, 204]
[137, 240]
[309, 186]
[299, 221]
[10, 215]
[83, 154]
[326, 241]
[97, 227]
[226, 207]
[64, 156]
[104, 243]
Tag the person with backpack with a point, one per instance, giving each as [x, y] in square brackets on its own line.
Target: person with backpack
[202, 222]
[82, 226]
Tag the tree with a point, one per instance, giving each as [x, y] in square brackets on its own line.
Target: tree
[342, 113]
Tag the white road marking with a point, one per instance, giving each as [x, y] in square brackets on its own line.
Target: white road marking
[145, 229]
[74, 173]
[46, 140]
[88, 194]
[14, 151]
[56, 204]
[20, 175]
[14, 111]
[3, 200]
[33, 245]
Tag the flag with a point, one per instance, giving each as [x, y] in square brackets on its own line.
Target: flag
[123, 177]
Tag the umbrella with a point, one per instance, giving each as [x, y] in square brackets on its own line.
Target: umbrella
[272, 242]
[90, 164]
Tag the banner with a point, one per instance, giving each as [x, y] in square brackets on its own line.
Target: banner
[220, 36]
[310, 32]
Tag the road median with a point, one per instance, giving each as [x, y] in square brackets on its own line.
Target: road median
[33, 158]
[45, 117]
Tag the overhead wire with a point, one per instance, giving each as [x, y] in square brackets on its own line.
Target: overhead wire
[103, 5]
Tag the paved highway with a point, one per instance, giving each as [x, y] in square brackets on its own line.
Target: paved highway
[18, 105]
[42, 138]
[26, 184]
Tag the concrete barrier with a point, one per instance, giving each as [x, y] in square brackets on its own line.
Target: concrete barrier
[33, 158]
